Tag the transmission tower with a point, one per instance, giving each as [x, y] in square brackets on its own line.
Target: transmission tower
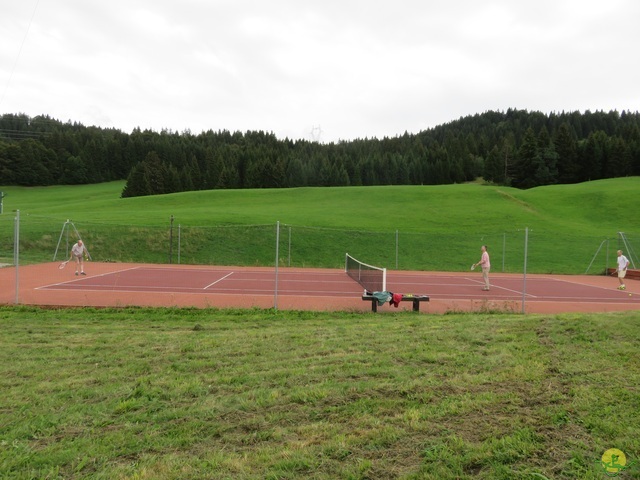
[316, 133]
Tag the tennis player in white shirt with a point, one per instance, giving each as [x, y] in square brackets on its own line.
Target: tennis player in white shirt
[79, 252]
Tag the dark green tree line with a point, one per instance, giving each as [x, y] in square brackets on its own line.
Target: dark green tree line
[518, 148]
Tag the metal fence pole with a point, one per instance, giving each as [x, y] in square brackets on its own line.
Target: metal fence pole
[524, 277]
[16, 252]
[397, 249]
[504, 249]
[289, 250]
[171, 240]
[275, 296]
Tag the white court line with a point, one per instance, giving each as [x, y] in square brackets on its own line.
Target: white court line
[199, 291]
[582, 284]
[219, 280]
[519, 292]
[85, 278]
[474, 282]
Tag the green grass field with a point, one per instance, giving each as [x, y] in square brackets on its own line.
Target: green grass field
[408, 228]
[209, 394]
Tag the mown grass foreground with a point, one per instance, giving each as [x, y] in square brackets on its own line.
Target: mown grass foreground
[195, 394]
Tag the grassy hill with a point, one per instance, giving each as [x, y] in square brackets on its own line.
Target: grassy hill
[405, 227]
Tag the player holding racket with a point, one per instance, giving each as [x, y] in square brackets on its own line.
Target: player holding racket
[79, 251]
[485, 263]
[623, 263]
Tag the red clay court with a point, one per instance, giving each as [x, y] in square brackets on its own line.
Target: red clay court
[121, 285]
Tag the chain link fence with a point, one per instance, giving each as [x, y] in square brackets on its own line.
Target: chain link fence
[31, 239]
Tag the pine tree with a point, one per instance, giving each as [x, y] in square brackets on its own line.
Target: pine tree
[566, 147]
[547, 169]
[493, 167]
[527, 162]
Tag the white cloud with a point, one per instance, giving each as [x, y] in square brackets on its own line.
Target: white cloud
[350, 68]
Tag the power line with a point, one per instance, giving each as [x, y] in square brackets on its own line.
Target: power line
[21, 133]
[15, 63]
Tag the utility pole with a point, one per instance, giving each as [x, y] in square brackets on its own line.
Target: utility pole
[171, 241]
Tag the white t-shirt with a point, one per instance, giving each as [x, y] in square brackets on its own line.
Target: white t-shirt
[622, 263]
[78, 250]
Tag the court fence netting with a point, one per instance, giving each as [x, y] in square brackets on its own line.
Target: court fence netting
[29, 239]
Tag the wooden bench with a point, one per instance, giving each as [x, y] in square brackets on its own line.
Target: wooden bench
[407, 297]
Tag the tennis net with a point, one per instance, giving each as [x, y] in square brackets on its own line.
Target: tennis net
[373, 279]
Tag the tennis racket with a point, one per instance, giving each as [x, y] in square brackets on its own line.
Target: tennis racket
[473, 267]
[62, 265]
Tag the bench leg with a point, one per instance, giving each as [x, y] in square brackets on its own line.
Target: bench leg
[416, 305]
[374, 305]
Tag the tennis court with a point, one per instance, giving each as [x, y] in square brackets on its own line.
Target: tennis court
[119, 285]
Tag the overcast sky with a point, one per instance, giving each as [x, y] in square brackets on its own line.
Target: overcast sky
[328, 69]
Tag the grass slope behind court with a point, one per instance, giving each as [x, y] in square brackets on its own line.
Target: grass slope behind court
[441, 227]
[408, 208]
[163, 393]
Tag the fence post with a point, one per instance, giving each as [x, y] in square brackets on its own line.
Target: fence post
[275, 295]
[504, 249]
[16, 253]
[171, 240]
[289, 250]
[524, 277]
[397, 249]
